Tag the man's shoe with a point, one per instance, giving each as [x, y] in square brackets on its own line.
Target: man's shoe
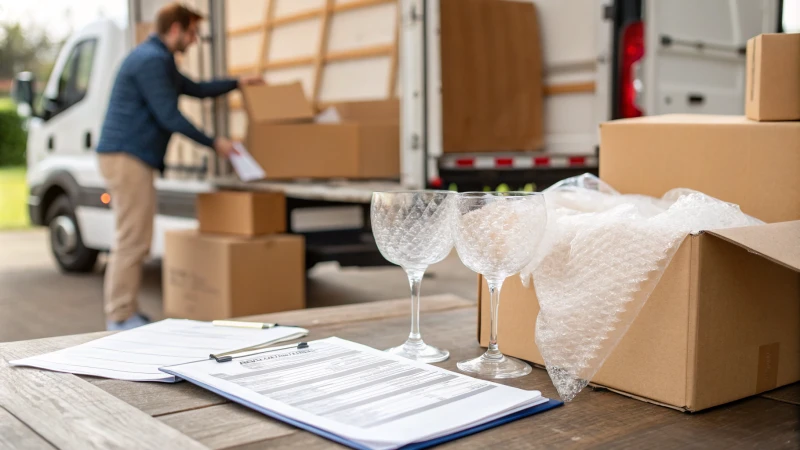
[135, 321]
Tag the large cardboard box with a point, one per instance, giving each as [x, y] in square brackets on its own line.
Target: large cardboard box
[492, 76]
[723, 323]
[209, 277]
[773, 77]
[753, 164]
[242, 213]
[287, 144]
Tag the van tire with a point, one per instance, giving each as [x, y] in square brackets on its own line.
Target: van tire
[66, 244]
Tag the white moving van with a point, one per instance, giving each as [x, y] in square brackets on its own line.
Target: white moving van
[603, 59]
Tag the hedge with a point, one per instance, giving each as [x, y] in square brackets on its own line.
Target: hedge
[12, 136]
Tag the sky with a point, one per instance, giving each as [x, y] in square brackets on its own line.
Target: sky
[60, 17]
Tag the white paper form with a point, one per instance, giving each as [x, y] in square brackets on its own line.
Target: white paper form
[245, 166]
[363, 395]
[136, 355]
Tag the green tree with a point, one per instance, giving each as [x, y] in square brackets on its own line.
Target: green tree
[25, 49]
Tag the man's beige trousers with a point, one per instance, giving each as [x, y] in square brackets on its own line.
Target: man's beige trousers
[133, 200]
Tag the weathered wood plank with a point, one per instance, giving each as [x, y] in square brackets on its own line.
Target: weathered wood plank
[362, 311]
[788, 394]
[296, 441]
[15, 434]
[225, 426]
[69, 412]
[157, 399]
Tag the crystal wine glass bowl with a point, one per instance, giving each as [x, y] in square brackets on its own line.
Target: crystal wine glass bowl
[414, 230]
[496, 235]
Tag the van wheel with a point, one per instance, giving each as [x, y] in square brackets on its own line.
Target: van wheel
[65, 238]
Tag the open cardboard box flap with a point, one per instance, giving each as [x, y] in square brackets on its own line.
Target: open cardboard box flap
[277, 103]
[722, 323]
[371, 111]
[777, 242]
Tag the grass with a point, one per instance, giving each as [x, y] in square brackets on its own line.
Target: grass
[6, 103]
[13, 198]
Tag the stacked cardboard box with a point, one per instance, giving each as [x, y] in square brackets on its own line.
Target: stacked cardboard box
[237, 263]
[723, 322]
[283, 137]
[773, 77]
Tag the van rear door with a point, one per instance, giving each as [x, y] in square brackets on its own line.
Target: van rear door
[694, 59]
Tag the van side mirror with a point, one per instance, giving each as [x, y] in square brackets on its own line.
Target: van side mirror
[22, 89]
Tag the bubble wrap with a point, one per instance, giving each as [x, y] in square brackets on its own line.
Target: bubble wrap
[602, 256]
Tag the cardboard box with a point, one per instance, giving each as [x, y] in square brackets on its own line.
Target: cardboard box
[276, 103]
[773, 77]
[242, 213]
[752, 164]
[209, 277]
[365, 145]
[380, 111]
[492, 76]
[722, 324]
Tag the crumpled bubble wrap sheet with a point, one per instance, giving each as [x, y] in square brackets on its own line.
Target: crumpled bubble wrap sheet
[602, 256]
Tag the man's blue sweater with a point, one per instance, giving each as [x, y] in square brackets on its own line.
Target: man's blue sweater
[143, 111]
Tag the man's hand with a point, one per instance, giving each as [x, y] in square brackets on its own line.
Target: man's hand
[251, 80]
[224, 147]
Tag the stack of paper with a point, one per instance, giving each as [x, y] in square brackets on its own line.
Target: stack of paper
[137, 354]
[362, 397]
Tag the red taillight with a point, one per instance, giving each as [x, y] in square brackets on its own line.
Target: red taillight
[465, 162]
[503, 162]
[577, 161]
[632, 52]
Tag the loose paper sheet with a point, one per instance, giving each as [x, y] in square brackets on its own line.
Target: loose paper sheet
[245, 166]
[136, 355]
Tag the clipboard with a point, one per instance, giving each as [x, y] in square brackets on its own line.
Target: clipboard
[305, 386]
[550, 404]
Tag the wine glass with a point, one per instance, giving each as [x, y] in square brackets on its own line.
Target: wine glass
[496, 235]
[414, 230]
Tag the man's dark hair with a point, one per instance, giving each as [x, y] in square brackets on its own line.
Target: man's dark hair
[175, 13]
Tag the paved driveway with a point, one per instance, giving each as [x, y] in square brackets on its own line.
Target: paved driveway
[36, 300]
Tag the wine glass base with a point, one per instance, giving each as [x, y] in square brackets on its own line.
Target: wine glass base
[494, 368]
[420, 352]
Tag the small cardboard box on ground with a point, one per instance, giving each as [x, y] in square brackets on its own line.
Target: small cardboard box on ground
[723, 323]
[283, 139]
[755, 165]
[242, 213]
[773, 77]
[208, 277]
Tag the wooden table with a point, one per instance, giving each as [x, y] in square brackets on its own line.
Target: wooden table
[40, 409]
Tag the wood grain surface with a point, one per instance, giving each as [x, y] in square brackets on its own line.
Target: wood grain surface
[37, 408]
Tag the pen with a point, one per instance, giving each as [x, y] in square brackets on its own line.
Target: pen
[240, 324]
[228, 356]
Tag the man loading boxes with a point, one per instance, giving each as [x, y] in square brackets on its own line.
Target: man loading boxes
[142, 115]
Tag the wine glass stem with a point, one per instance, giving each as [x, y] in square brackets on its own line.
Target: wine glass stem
[493, 352]
[415, 280]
